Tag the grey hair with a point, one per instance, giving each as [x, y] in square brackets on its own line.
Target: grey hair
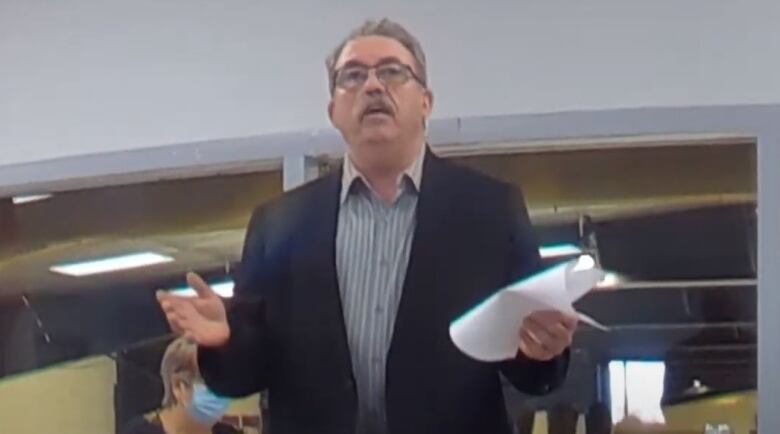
[178, 361]
[389, 29]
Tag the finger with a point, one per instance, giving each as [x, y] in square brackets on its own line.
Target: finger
[182, 326]
[533, 349]
[558, 326]
[170, 305]
[187, 319]
[570, 322]
[200, 286]
[539, 331]
[175, 324]
[554, 339]
[549, 317]
[162, 295]
[529, 336]
[165, 300]
[176, 314]
[188, 312]
[200, 303]
[543, 348]
[563, 334]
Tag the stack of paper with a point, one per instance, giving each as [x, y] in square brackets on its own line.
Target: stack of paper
[491, 330]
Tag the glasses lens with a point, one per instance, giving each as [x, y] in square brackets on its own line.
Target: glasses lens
[351, 77]
[392, 73]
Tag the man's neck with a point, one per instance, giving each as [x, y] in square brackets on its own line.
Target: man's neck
[385, 180]
[385, 185]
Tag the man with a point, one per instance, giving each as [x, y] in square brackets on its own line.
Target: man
[361, 272]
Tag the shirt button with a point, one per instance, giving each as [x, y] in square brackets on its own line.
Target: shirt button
[379, 309]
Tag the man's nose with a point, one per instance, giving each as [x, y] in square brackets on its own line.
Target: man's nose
[373, 84]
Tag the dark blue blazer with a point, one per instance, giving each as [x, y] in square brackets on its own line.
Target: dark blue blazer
[473, 236]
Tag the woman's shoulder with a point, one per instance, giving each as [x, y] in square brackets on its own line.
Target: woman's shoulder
[142, 425]
[224, 428]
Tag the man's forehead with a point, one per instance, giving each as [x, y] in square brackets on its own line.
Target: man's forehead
[370, 50]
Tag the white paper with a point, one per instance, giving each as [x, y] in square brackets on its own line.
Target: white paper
[491, 331]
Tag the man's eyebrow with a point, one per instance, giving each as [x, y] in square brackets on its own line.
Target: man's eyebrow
[350, 63]
[388, 59]
[382, 61]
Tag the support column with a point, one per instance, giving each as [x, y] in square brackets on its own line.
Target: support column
[298, 170]
[768, 281]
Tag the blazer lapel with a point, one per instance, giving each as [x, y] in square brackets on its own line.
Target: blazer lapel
[319, 284]
[418, 299]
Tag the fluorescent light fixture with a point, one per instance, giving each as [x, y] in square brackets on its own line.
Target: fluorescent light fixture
[610, 280]
[557, 250]
[585, 262]
[21, 200]
[111, 264]
[223, 289]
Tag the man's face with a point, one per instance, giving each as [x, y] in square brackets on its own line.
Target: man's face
[379, 119]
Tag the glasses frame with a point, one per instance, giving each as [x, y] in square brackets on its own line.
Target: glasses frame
[369, 69]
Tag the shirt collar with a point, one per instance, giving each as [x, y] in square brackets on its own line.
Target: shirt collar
[350, 173]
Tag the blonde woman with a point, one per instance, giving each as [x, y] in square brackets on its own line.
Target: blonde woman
[188, 406]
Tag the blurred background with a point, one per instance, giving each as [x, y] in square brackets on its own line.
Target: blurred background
[674, 223]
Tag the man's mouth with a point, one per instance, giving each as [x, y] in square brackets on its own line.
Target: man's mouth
[377, 110]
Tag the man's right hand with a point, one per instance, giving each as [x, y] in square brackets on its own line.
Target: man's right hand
[202, 319]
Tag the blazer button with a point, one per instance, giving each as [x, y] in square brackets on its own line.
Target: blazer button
[349, 384]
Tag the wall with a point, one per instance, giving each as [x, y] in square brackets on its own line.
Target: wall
[90, 76]
[738, 410]
[75, 398]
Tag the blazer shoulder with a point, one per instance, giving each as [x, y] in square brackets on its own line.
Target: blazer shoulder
[296, 204]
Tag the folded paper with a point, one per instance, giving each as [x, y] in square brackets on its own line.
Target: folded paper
[490, 331]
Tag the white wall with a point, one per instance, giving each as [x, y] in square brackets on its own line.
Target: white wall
[90, 76]
[73, 398]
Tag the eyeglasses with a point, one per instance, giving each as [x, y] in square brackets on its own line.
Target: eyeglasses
[390, 74]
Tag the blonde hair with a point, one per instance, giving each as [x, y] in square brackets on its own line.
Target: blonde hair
[179, 362]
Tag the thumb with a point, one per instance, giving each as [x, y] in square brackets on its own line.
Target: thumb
[200, 286]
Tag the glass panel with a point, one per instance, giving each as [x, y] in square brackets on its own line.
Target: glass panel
[82, 336]
[617, 390]
[675, 227]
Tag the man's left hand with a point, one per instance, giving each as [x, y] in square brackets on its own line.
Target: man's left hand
[546, 334]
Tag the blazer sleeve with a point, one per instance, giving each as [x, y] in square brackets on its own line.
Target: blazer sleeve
[242, 366]
[528, 376]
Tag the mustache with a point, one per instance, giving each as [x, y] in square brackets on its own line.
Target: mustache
[377, 104]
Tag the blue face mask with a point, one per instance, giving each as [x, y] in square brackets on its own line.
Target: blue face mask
[206, 407]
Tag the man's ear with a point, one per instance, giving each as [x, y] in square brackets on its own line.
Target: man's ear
[427, 103]
[330, 110]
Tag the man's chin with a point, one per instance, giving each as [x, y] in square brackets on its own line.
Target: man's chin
[377, 149]
[379, 136]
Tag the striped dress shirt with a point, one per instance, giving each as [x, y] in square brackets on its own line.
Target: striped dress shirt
[373, 242]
